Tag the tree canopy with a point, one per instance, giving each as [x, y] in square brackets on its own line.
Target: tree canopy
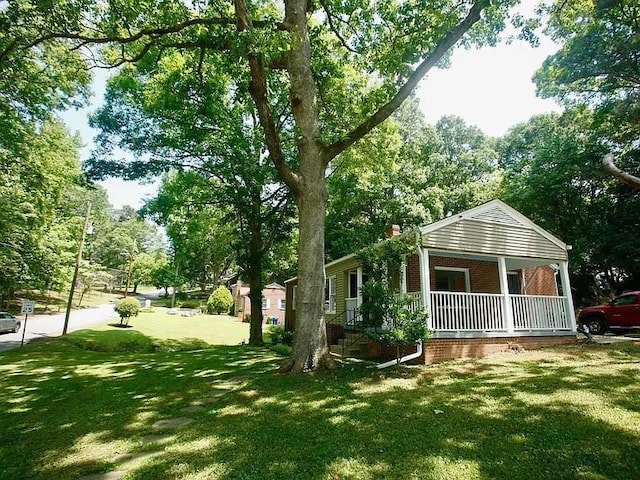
[597, 65]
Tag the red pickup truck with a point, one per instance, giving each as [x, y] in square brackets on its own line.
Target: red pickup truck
[623, 312]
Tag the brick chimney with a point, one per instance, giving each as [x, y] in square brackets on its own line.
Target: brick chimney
[392, 231]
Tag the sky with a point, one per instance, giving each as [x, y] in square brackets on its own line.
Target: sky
[490, 88]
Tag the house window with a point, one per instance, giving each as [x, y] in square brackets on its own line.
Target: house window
[514, 283]
[281, 303]
[353, 284]
[330, 295]
[266, 303]
[449, 279]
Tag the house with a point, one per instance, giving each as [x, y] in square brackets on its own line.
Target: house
[489, 277]
[273, 302]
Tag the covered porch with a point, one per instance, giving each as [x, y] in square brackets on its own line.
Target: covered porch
[456, 309]
[487, 272]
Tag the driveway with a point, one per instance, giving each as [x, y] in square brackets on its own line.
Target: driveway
[39, 326]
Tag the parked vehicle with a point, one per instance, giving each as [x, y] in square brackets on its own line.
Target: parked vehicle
[623, 312]
[8, 323]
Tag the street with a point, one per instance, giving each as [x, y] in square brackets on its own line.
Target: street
[39, 326]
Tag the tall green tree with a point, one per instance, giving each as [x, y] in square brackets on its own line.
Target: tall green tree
[554, 176]
[343, 67]
[597, 65]
[410, 174]
[216, 158]
[36, 241]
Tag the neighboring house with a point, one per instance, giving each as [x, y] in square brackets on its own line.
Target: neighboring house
[495, 280]
[273, 302]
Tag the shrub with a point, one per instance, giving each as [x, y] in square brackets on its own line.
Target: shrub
[280, 336]
[127, 308]
[112, 341]
[220, 301]
[280, 349]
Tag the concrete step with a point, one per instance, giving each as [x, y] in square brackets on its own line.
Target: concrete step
[352, 351]
[351, 342]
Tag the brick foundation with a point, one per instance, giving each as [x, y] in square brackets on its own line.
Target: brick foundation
[441, 349]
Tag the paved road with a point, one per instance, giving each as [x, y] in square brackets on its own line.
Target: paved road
[51, 325]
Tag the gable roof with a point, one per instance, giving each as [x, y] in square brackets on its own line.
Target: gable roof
[494, 228]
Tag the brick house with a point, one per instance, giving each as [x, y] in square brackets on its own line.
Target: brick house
[494, 279]
[273, 302]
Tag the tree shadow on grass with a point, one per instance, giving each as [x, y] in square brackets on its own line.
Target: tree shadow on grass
[355, 425]
[477, 419]
[66, 413]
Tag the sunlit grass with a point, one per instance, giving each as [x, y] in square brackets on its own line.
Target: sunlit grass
[212, 329]
[571, 412]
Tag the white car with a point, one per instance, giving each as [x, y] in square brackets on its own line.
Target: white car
[8, 323]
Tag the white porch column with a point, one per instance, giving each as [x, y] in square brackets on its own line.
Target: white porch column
[359, 274]
[504, 289]
[425, 283]
[403, 277]
[566, 292]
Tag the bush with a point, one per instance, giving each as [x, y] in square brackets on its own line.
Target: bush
[127, 308]
[112, 341]
[280, 349]
[280, 336]
[220, 301]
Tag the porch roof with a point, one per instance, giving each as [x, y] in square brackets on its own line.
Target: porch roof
[494, 229]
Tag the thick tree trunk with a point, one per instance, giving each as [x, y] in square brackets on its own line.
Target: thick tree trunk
[310, 350]
[255, 296]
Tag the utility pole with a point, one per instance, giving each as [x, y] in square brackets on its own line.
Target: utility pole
[75, 272]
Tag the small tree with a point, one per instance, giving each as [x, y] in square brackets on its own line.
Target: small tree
[127, 308]
[388, 316]
[220, 301]
[404, 325]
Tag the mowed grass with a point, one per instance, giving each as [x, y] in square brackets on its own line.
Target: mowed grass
[212, 329]
[562, 413]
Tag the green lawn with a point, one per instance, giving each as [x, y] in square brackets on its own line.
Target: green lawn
[213, 329]
[564, 413]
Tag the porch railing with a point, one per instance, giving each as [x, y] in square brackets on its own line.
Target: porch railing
[351, 311]
[538, 312]
[416, 301]
[452, 311]
[461, 311]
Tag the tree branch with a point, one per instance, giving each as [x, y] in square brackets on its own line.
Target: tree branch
[429, 62]
[334, 29]
[259, 92]
[624, 177]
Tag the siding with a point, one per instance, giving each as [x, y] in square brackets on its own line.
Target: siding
[501, 239]
[497, 215]
[341, 271]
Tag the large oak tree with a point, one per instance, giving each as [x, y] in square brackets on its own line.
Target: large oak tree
[344, 67]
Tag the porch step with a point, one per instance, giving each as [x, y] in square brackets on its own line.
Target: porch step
[353, 345]
[356, 351]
